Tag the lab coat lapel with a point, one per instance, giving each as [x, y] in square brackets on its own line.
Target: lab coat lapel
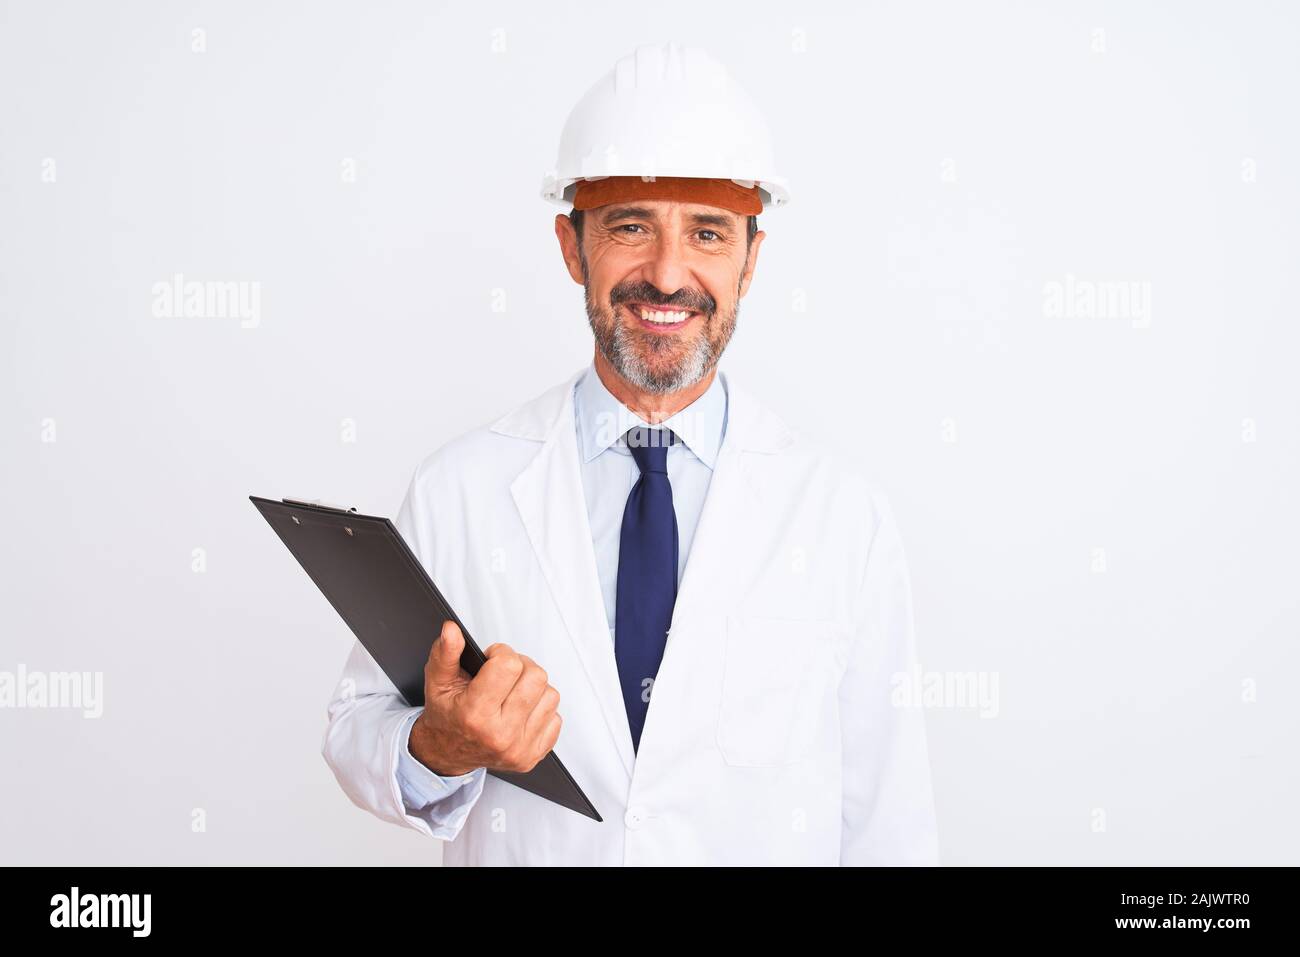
[549, 496]
[729, 547]
[724, 545]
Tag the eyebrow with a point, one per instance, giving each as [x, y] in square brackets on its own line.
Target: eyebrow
[643, 212]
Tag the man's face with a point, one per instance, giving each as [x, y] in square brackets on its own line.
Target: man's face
[645, 262]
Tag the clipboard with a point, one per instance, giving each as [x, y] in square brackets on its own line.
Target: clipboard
[365, 570]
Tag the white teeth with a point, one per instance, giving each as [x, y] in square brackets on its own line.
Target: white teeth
[663, 318]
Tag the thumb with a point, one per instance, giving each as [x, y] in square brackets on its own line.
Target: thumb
[444, 656]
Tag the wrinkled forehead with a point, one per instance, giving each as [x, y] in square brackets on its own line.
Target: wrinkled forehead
[663, 211]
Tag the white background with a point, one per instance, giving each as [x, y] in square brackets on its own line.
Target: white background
[946, 164]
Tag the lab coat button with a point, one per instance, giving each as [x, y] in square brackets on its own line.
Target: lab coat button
[634, 817]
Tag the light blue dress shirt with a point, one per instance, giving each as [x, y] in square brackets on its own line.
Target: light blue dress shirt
[608, 474]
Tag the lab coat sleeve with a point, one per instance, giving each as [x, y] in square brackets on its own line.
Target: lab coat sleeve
[366, 742]
[888, 801]
[427, 793]
[367, 738]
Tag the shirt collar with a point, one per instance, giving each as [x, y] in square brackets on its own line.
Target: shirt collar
[602, 420]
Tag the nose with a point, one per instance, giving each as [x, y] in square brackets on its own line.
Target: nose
[667, 269]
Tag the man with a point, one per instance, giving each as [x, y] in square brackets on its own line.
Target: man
[720, 604]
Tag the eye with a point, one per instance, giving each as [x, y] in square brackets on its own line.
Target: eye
[630, 226]
[710, 232]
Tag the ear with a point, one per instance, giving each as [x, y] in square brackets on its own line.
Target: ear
[750, 262]
[568, 238]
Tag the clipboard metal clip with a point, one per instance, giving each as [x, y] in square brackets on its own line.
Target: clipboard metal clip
[316, 503]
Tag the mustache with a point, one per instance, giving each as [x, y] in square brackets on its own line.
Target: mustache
[685, 299]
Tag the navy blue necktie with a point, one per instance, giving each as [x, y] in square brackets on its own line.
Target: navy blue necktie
[647, 574]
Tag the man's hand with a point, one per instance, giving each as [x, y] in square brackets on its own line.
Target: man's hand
[504, 718]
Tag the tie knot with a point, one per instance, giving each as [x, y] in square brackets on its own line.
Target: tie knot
[650, 448]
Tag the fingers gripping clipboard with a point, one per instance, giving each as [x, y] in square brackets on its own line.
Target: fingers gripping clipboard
[365, 570]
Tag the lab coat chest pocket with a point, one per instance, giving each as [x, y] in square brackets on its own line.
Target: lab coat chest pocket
[775, 676]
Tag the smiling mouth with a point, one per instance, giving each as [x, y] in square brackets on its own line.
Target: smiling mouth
[659, 318]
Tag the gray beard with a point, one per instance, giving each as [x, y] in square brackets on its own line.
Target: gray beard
[618, 345]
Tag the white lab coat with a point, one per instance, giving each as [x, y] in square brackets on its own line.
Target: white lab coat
[772, 736]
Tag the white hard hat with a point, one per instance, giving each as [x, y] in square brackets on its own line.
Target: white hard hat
[666, 110]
